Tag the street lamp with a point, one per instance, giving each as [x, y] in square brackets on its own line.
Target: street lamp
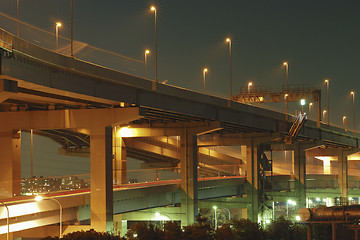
[353, 98]
[286, 65]
[215, 219]
[7, 220]
[204, 76]
[249, 86]
[57, 25]
[153, 8]
[17, 18]
[302, 103]
[145, 61]
[344, 122]
[327, 95]
[324, 113]
[287, 206]
[310, 107]
[228, 40]
[39, 198]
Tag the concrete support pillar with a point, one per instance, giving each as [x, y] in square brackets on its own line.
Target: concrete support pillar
[119, 160]
[252, 175]
[189, 168]
[10, 162]
[101, 202]
[300, 175]
[120, 226]
[343, 173]
[189, 163]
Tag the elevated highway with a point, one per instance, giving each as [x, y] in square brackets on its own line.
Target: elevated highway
[43, 91]
[25, 213]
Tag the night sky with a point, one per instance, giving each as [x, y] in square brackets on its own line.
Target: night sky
[320, 39]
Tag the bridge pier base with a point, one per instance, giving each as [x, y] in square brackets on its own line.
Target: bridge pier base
[101, 184]
[10, 148]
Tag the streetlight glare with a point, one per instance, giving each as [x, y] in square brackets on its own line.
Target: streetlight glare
[205, 69]
[250, 84]
[153, 8]
[58, 24]
[352, 93]
[228, 40]
[302, 102]
[285, 63]
[326, 80]
[147, 51]
[214, 207]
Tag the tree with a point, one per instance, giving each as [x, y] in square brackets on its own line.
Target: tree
[88, 235]
[144, 231]
[283, 229]
[199, 231]
[172, 231]
[245, 229]
[225, 233]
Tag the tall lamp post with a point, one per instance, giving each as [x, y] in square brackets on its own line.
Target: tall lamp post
[17, 18]
[324, 113]
[344, 122]
[204, 76]
[353, 98]
[310, 107]
[57, 26]
[327, 95]
[286, 65]
[249, 86]
[145, 61]
[228, 40]
[39, 198]
[153, 8]
[71, 29]
[215, 217]
[302, 103]
[7, 220]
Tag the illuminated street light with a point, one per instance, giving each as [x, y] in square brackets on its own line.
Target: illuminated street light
[327, 95]
[291, 202]
[286, 65]
[344, 122]
[324, 113]
[228, 40]
[145, 61]
[153, 8]
[204, 76]
[215, 218]
[249, 86]
[57, 25]
[310, 107]
[302, 103]
[39, 198]
[7, 220]
[353, 98]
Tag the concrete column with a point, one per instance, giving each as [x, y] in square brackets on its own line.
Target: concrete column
[300, 175]
[10, 162]
[119, 160]
[252, 173]
[188, 168]
[343, 173]
[101, 201]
